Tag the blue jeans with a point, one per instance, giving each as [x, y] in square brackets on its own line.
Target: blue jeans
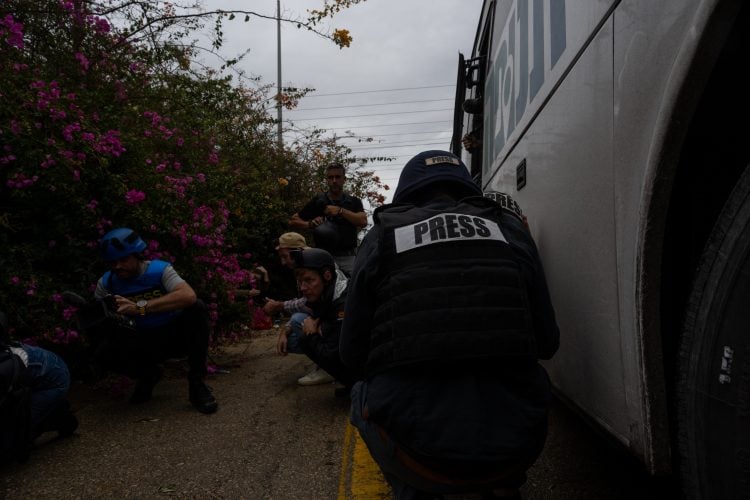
[295, 332]
[49, 380]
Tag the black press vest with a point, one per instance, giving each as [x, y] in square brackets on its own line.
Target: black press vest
[450, 288]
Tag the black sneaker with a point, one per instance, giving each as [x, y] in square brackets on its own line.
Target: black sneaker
[67, 425]
[343, 392]
[201, 398]
[145, 387]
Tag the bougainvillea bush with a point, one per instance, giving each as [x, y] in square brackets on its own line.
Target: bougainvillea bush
[97, 132]
[100, 129]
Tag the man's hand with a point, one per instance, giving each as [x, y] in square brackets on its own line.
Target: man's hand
[272, 307]
[315, 222]
[125, 306]
[281, 342]
[333, 210]
[311, 326]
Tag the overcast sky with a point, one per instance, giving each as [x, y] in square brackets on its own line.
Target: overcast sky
[397, 44]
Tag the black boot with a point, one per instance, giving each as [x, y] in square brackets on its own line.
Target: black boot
[67, 425]
[144, 387]
[201, 397]
[61, 419]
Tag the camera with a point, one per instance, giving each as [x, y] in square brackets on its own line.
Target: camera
[98, 313]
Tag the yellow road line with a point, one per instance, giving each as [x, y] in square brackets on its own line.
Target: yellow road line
[360, 477]
[345, 464]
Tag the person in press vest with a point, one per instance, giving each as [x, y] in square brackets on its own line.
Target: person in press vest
[447, 314]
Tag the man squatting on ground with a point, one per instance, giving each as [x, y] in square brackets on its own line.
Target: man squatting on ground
[325, 291]
[335, 219]
[169, 319]
[448, 311]
[291, 334]
[47, 408]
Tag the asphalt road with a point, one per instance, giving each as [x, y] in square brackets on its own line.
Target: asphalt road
[270, 439]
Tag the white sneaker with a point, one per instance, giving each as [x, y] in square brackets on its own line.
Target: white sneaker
[315, 377]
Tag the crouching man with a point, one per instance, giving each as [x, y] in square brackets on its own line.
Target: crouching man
[447, 314]
[325, 292]
[169, 319]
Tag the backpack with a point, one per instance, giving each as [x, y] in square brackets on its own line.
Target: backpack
[15, 408]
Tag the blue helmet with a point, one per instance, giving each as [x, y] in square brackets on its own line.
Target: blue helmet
[429, 167]
[120, 243]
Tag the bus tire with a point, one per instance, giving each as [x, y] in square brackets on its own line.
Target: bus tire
[713, 387]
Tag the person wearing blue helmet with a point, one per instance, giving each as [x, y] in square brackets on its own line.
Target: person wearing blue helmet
[169, 318]
[447, 315]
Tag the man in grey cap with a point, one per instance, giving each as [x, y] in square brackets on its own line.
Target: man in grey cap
[446, 316]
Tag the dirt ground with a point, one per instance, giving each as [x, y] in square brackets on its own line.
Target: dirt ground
[270, 438]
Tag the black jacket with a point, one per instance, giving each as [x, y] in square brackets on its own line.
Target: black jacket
[462, 410]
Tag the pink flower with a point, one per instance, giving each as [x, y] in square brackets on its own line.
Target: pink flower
[109, 143]
[133, 197]
[14, 34]
[69, 313]
[48, 162]
[69, 130]
[101, 25]
[20, 181]
[82, 60]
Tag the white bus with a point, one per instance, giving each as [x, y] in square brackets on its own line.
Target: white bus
[621, 129]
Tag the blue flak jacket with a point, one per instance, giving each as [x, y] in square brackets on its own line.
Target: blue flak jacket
[144, 287]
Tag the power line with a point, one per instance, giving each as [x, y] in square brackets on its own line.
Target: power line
[383, 90]
[386, 143]
[386, 166]
[386, 125]
[369, 105]
[360, 148]
[392, 168]
[373, 114]
[401, 134]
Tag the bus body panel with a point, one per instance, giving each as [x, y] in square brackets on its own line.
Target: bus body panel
[588, 142]
[534, 43]
[568, 197]
[648, 75]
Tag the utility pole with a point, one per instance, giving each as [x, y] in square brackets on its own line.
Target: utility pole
[278, 66]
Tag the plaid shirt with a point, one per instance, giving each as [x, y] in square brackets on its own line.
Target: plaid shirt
[296, 305]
